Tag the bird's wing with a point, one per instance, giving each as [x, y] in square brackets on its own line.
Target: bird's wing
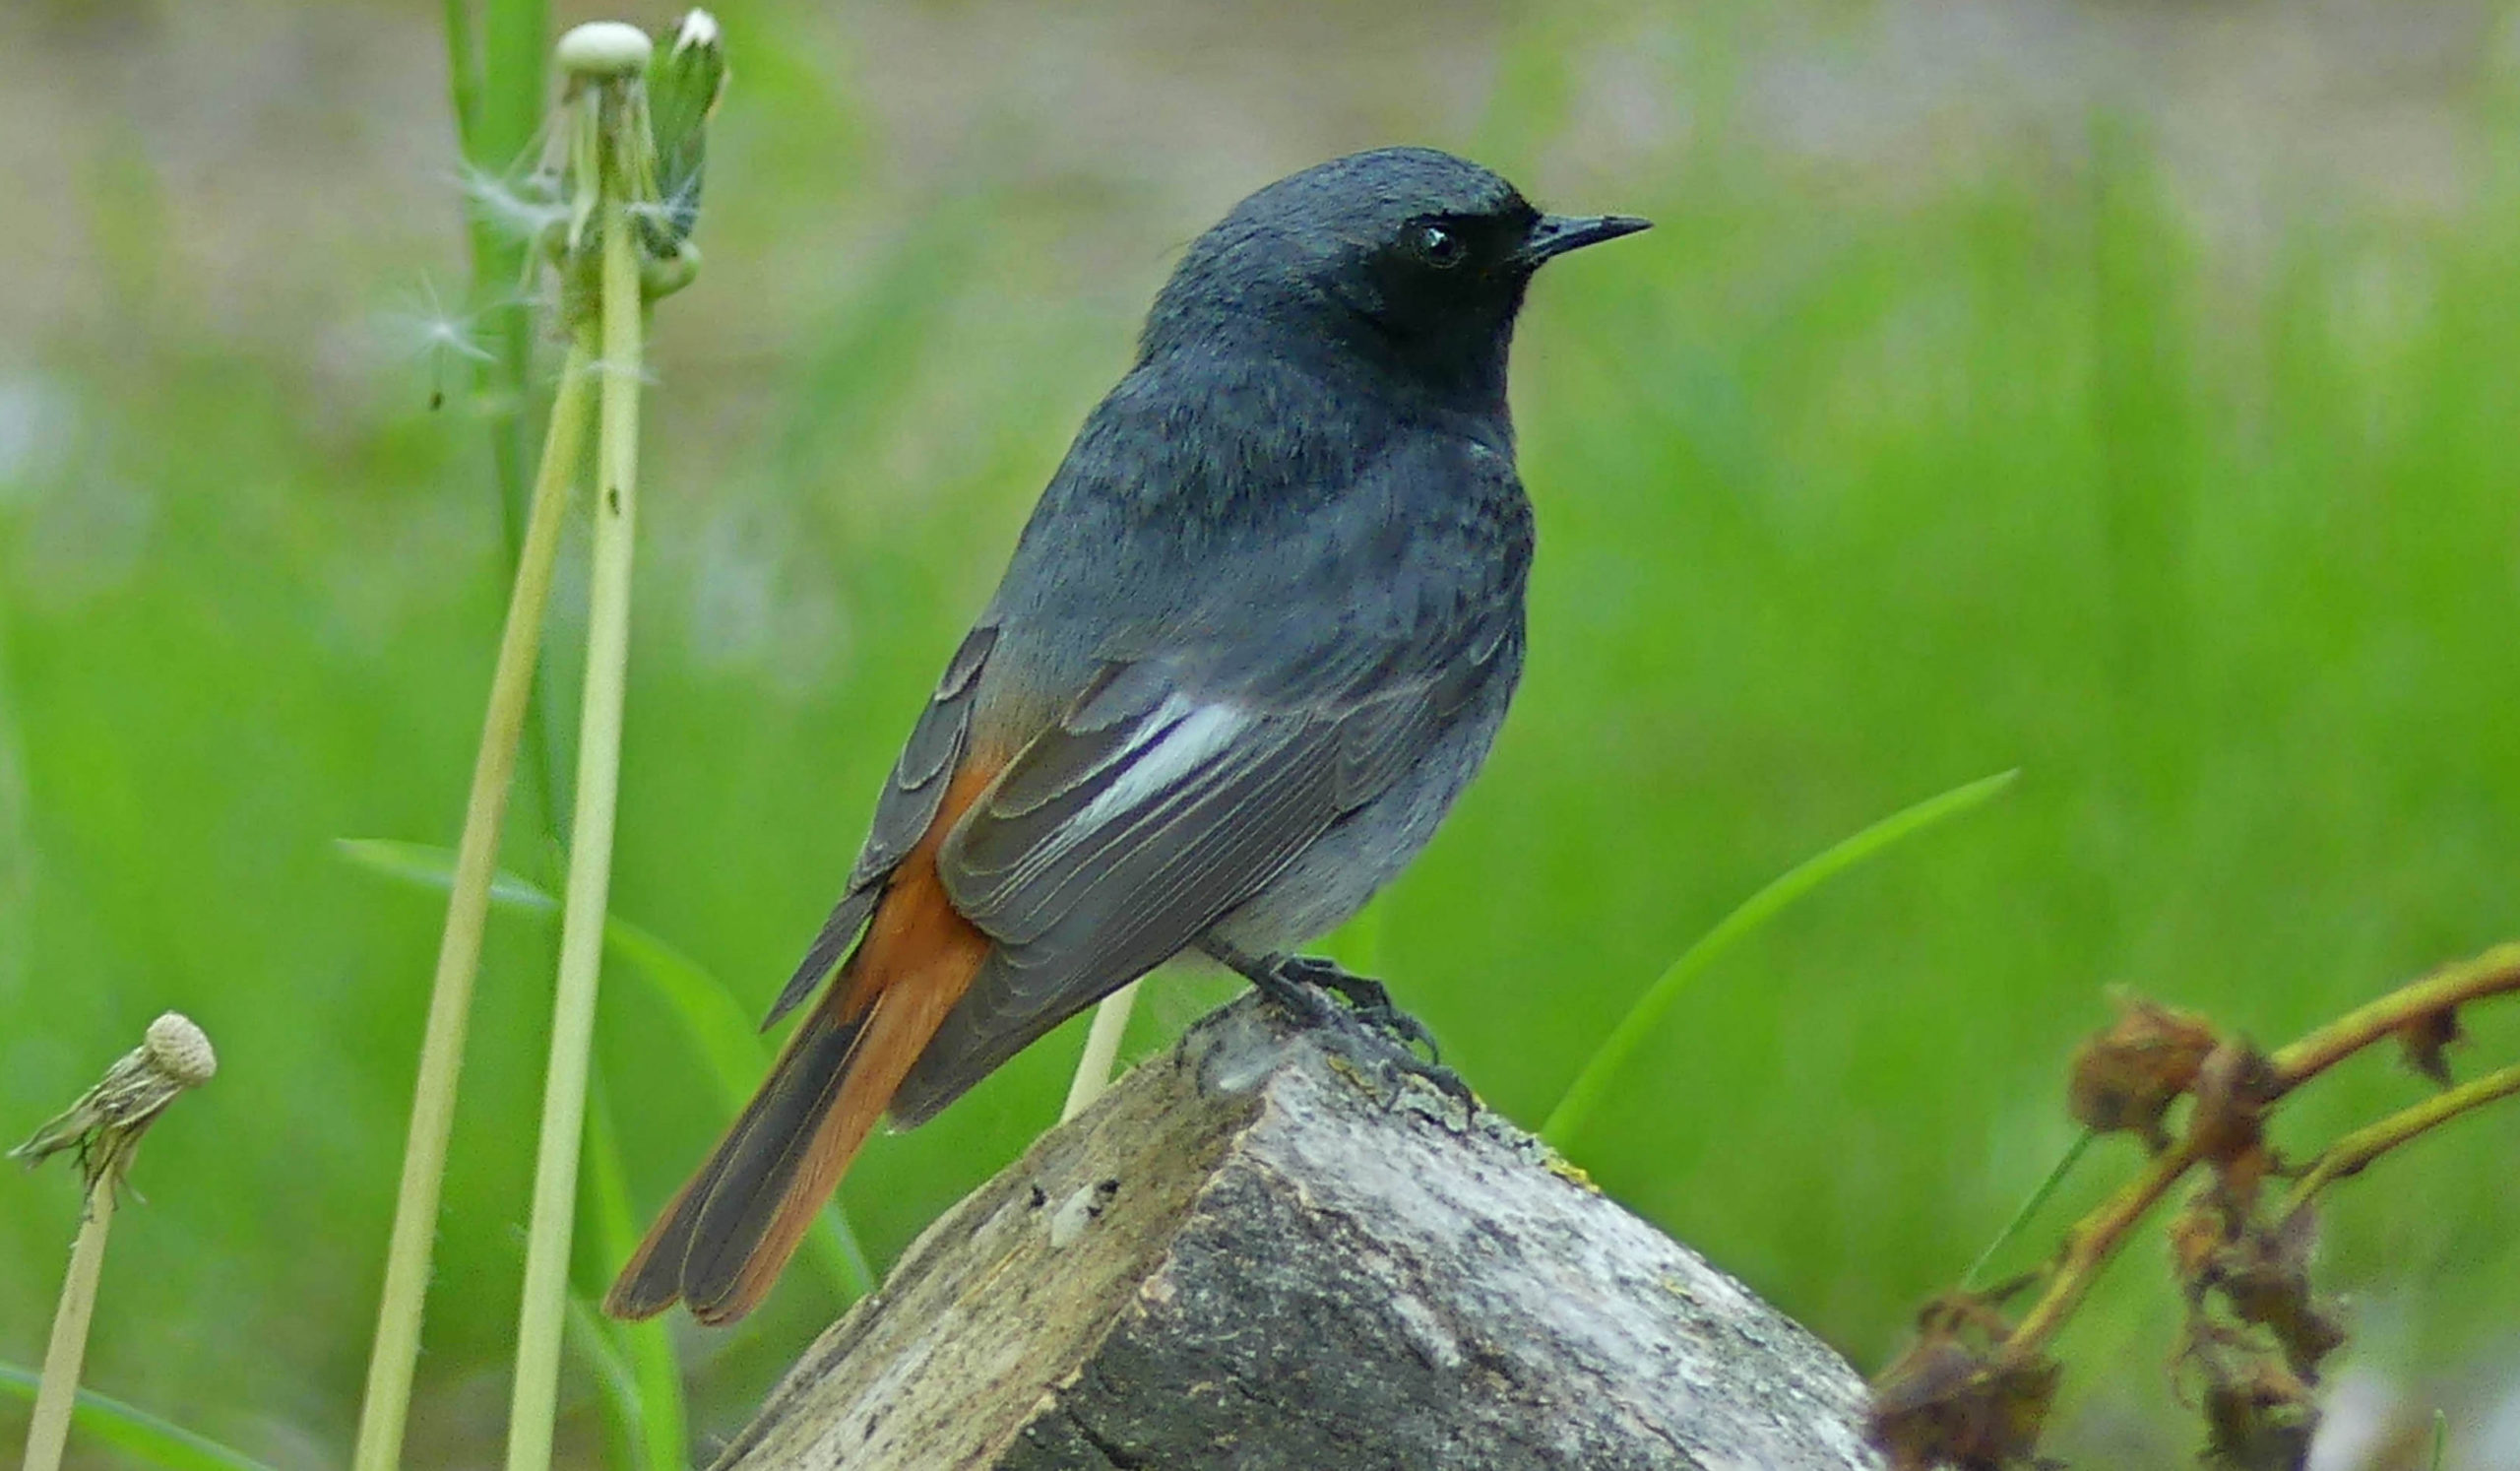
[1174, 789]
[909, 802]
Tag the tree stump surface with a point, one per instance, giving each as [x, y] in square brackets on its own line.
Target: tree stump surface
[1263, 1252]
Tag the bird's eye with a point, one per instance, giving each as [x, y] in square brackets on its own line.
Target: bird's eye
[1438, 245]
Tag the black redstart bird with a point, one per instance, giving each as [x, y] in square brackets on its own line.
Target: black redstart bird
[1255, 639]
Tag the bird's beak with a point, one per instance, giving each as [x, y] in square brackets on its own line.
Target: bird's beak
[1555, 234]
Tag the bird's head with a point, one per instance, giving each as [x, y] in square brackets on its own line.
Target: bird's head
[1405, 257]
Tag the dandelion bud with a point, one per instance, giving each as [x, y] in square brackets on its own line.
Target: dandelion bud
[684, 87]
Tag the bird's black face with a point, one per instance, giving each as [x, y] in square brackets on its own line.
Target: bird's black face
[1413, 258]
[1445, 285]
[1443, 273]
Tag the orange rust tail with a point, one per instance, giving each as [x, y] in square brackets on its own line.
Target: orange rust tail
[730, 1231]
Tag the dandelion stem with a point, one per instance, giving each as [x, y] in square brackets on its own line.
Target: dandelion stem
[543, 1317]
[407, 1264]
[102, 1130]
[58, 1393]
[1101, 1045]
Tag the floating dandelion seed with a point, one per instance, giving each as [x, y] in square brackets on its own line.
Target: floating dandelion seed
[424, 327]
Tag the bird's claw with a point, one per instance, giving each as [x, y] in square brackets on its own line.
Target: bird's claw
[1300, 985]
[1368, 999]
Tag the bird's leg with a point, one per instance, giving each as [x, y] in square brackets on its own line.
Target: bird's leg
[1306, 1004]
[1370, 997]
[1298, 985]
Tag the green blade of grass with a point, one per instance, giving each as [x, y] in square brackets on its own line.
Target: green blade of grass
[2030, 1207]
[1603, 1068]
[433, 868]
[591, 1338]
[711, 1016]
[497, 84]
[717, 1024]
[463, 74]
[658, 1429]
[135, 1432]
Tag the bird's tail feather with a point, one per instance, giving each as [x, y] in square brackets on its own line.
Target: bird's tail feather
[725, 1238]
[747, 1170]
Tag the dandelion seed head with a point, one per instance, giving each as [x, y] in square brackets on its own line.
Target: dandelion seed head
[179, 1049]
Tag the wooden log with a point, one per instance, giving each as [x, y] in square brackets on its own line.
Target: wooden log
[1264, 1251]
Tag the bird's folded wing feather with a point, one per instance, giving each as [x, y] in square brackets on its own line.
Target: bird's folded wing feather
[909, 802]
[1163, 799]
[1217, 741]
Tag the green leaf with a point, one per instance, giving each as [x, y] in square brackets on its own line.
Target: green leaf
[494, 71]
[1598, 1070]
[591, 1337]
[135, 1432]
[654, 1416]
[716, 1022]
[434, 868]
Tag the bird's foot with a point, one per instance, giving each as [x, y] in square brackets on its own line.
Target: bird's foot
[1369, 999]
[1301, 985]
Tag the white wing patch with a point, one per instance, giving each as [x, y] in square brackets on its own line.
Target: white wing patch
[1176, 737]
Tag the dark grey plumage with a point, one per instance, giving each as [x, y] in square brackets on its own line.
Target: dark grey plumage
[1301, 506]
[1256, 637]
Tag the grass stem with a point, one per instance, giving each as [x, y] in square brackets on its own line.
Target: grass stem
[2494, 973]
[1101, 1046]
[142, 1437]
[543, 1317]
[659, 1430]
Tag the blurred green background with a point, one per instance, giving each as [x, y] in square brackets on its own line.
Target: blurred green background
[2123, 392]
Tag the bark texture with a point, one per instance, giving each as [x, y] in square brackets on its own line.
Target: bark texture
[1262, 1251]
